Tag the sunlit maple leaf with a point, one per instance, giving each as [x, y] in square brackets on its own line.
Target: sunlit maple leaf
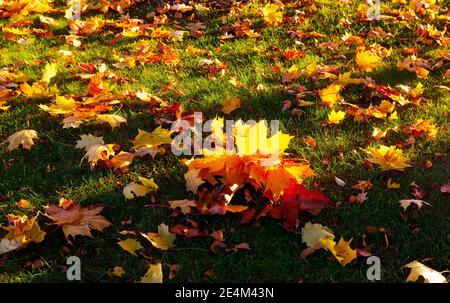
[297, 198]
[312, 233]
[387, 157]
[76, 220]
[24, 137]
[62, 106]
[152, 140]
[420, 128]
[50, 71]
[272, 14]
[99, 152]
[341, 251]
[336, 117]
[88, 140]
[430, 275]
[153, 275]
[131, 246]
[139, 190]
[367, 59]
[163, 239]
[113, 120]
[330, 94]
[21, 231]
[38, 89]
[193, 181]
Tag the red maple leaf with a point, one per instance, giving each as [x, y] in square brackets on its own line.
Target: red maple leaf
[297, 198]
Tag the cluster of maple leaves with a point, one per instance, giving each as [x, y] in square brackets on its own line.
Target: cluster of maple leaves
[248, 181]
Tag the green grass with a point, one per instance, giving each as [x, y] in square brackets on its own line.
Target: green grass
[52, 168]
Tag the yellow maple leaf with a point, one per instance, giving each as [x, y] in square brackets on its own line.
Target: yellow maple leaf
[62, 106]
[50, 71]
[153, 275]
[21, 232]
[24, 137]
[341, 251]
[272, 14]
[163, 239]
[139, 190]
[38, 89]
[430, 275]
[152, 140]
[130, 245]
[335, 117]
[330, 94]
[367, 59]
[387, 157]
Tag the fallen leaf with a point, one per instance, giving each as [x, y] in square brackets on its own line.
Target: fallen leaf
[131, 246]
[163, 239]
[154, 274]
[429, 274]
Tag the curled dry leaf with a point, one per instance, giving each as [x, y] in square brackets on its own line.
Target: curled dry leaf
[430, 275]
[406, 203]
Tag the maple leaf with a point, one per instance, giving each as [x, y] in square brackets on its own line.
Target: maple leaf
[24, 137]
[230, 105]
[330, 94]
[62, 106]
[98, 152]
[76, 220]
[185, 205]
[336, 117]
[430, 275]
[139, 190]
[312, 233]
[341, 251]
[273, 14]
[50, 71]
[121, 161]
[113, 120]
[297, 198]
[153, 275]
[163, 239]
[367, 59]
[131, 246]
[387, 157]
[88, 140]
[152, 140]
[406, 203]
[193, 181]
[21, 231]
[38, 89]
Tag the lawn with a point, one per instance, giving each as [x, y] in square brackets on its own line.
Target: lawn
[277, 71]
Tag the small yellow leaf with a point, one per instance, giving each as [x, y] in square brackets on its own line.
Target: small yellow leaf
[341, 251]
[391, 184]
[367, 59]
[154, 274]
[113, 120]
[130, 245]
[88, 140]
[330, 94]
[50, 72]
[387, 157]
[336, 117]
[163, 239]
[185, 205]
